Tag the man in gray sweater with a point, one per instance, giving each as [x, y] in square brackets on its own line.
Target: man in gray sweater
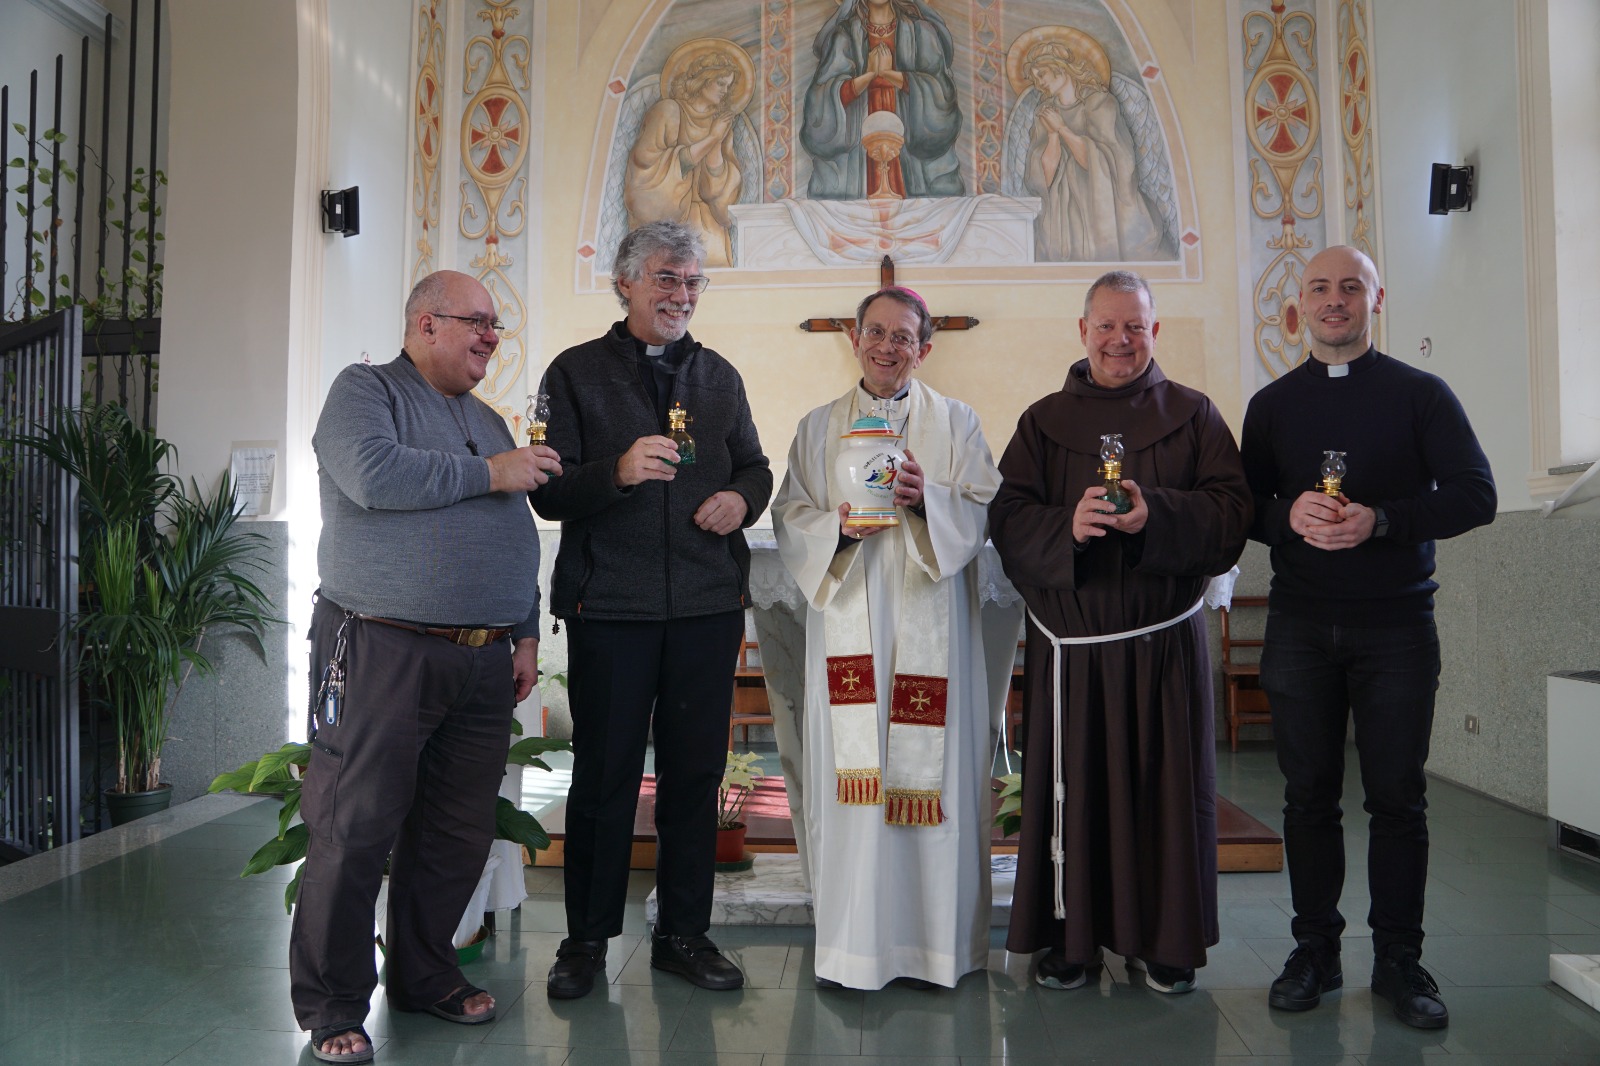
[423, 639]
[652, 579]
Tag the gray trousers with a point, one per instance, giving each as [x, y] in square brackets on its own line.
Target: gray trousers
[409, 773]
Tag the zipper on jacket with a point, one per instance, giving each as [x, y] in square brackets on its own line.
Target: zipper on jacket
[666, 533]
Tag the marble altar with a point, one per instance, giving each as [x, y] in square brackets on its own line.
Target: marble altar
[774, 892]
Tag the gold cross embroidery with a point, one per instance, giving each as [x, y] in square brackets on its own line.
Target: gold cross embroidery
[921, 700]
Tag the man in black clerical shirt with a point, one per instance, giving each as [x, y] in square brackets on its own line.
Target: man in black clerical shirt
[652, 580]
[1350, 628]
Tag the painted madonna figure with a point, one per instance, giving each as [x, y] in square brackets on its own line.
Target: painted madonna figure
[883, 55]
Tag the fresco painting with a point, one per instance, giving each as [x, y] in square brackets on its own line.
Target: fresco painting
[803, 133]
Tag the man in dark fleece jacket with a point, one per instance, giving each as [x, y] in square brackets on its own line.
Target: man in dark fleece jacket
[652, 579]
[1350, 620]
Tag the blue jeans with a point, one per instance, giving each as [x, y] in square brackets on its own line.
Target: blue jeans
[1314, 673]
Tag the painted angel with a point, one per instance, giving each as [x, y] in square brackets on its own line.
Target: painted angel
[689, 153]
[1073, 141]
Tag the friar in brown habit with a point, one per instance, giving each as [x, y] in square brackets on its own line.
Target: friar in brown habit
[1118, 706]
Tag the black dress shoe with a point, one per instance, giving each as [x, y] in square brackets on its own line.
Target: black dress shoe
[1398, 976]
[696, 958]
[917, 983]
[577, 963]
[1309, 972]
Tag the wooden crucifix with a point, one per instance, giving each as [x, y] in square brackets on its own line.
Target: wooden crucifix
[885, 279]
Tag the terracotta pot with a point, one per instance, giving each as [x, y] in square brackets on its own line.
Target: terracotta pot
[730, 843]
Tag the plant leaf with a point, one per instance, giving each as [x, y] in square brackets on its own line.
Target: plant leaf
[526, 751]
[234, 780]
[291, 807]
[292, 891]
[518, 826]
[273, 767]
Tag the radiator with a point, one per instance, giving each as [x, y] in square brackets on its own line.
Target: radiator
[1573, 703]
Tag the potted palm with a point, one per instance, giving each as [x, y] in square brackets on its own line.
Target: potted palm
[161, 569]
[738, 781]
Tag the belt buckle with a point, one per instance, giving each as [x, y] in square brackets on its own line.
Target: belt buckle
[474, 638]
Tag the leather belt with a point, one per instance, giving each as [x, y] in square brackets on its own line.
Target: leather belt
[464, 635]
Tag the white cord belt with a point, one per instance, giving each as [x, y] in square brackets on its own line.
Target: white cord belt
[1059, 802]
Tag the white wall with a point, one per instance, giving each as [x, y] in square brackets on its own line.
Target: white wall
[225, 340]
[1447, 93]
[364, 276]
[1575, 122]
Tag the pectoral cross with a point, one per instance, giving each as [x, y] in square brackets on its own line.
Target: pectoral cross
[885, 279]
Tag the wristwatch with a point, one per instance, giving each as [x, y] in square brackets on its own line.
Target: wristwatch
[1380, 527]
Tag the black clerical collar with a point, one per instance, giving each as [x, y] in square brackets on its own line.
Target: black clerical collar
[668, 361]
[896, 398]
[1317, 368]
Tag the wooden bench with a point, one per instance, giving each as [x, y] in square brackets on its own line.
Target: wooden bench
[1243, 696]
[750, 705]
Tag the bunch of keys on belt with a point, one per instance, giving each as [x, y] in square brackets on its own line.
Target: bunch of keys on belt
[333, 678]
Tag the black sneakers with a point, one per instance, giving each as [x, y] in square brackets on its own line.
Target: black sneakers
[1307, 974]
[696, 958]
[1054, 971]
[577, 962]
[1398, 976]
[1168, 979]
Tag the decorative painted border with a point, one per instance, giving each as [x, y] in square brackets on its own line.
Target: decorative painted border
[427, 138]
[493, 153]
[1278, 153]
[988, 94]
[474, 153]
[1359, 151]
[777, 97]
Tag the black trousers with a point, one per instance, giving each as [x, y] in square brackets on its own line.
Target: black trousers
[412, 768]
[1316, 676]
[621, 674]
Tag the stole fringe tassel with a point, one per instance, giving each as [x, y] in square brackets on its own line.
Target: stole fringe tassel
[859, 787]
[913, 807]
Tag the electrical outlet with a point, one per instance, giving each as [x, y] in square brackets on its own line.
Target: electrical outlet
[1472, 724]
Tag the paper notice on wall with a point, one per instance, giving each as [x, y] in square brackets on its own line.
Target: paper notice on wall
[252, 470]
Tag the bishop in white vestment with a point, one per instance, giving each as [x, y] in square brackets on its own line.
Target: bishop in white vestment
[896, 728]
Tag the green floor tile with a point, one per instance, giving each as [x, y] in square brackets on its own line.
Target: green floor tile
[98, 1043]
[787, 1021]
[1505, 1021]
[168, 957]
[612, 1016]
[1118, 1018]
[966, 1020]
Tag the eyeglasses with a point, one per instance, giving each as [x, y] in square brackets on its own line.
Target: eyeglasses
[695, 283]
[479, 324]
[900, 342]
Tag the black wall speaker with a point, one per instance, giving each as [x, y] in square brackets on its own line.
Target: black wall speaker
[1450, 190]
[341, 211]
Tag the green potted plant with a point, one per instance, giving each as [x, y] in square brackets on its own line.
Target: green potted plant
[1008, 816]
[278, 774]
[738, 781]
[161, 568]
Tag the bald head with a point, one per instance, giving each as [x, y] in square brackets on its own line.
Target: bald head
[433, 292]
[441, 337]
[1339, 294]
